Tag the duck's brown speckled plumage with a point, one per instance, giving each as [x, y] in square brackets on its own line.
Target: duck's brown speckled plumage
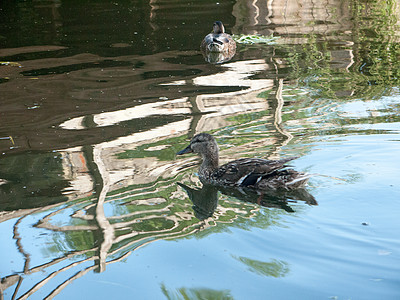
[218, 40]
[250, 172]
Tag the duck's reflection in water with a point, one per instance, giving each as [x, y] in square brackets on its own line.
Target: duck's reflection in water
[205, 199]
[218, 57]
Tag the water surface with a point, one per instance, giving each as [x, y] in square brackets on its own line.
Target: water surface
[97, 98]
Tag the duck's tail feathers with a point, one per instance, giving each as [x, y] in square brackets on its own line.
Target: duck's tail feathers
[298, 181]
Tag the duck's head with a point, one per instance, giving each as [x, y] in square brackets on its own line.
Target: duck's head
[218, 27]
[203, 144]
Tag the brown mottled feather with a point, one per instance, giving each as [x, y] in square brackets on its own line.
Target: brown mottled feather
[248, 170]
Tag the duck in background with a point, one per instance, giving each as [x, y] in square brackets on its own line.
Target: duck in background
[256, 173]
[218, 46]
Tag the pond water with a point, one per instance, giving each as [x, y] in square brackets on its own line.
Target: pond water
[97, 98]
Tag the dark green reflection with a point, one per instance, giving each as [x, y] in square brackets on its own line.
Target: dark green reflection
[32, 180]
[275, 268]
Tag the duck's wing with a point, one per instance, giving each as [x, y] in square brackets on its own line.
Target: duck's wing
[224, 38]
[206, 41]
[248, 171]
[221, 38]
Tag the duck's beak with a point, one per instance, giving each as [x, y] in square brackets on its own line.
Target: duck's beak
[186, 150]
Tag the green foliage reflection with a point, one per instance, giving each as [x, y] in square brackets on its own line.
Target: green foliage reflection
[196, 294]
[275, 268]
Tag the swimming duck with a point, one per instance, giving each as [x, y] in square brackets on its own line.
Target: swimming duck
[254, 173]
[218, 40]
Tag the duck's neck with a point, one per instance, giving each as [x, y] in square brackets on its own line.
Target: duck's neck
[209, 164]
